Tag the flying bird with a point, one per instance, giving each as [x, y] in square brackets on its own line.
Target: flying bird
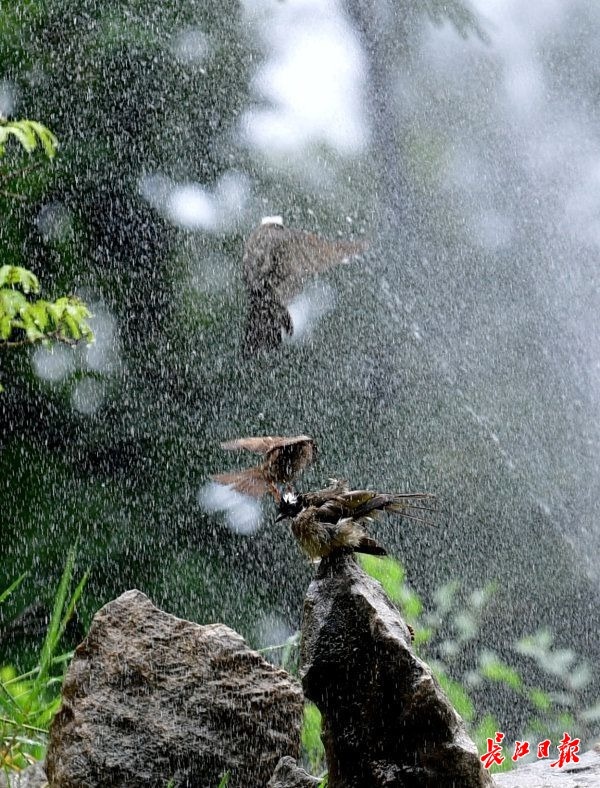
[283, 459]
[334, 518]
[277, 263]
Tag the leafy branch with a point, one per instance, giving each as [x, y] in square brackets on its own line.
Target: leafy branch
[24, 321]
[30, 134]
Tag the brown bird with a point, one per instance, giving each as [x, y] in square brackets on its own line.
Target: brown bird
[277, 263]
[284, 459]
[333, 519]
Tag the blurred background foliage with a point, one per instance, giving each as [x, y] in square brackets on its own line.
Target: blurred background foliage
[454, 359]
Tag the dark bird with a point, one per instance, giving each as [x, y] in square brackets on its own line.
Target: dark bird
[277, 263]
[334, 518]
[284, 458]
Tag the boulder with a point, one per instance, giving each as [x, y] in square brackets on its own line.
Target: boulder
[152, 700]
[386, 721]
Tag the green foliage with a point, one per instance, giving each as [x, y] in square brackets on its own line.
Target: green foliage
[390, 573]
[29, 701]
[24, 321]
[285, 654]
[549, 717]
[495, 669]
[224, 781]
[30, 134]
[457, 695]
[446, 634]
[312, 746]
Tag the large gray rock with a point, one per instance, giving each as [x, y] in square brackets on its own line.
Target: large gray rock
[585, 774]
[289, 775]
[150, 698]
[386, 722]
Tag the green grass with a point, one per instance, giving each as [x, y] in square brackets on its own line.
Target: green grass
[29, 701]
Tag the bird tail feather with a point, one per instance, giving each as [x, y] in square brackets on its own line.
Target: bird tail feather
[409, 505]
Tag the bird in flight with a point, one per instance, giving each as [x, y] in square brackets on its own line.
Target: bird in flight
[277, 263]
[283, 459]
[334, 519]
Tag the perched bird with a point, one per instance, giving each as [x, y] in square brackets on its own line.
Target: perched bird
[276, 264]
[283, 459]
[333, 519]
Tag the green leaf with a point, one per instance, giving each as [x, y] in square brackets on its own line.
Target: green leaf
[22, 277]
[71, 327]
[457, 696]
[5, 326]
[389, 572]
[30, 134]
[54, 626]
[540, 699]
[15, 584]
[494, 669]
[311, 737]
[46, 137]
[12, 302]
[39, 314]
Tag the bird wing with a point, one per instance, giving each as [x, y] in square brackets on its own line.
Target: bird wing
[313, 253]
[307, 254]
[264, 443]
[285, 460]
[320, 497]
[249, 481]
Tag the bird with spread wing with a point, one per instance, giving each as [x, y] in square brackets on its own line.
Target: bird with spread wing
[277, 263]
[283, 459]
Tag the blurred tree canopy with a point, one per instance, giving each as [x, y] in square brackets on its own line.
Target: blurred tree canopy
[111, 444]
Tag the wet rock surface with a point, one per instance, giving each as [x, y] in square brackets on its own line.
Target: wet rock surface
[150, 698]
[289, 775]
[386, 722]
[585, 774]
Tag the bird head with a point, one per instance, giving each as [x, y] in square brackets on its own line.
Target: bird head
[277, 220]
[289, 505]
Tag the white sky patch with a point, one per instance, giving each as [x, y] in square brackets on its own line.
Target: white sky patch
[242, 514]
[310, 306]
[88, 395]
[313, 79]
[192, 206]
[54, 222]
[53, 364]
[103, 354]
[191, 46]
[211, 272]
[8, 97]
[493, 229]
